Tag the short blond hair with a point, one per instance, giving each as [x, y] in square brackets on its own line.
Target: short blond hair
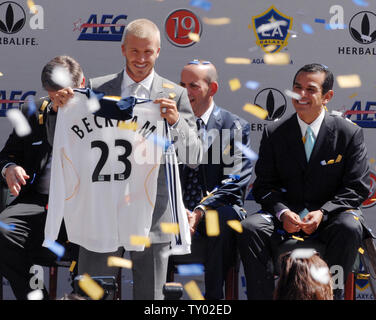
[142, 28]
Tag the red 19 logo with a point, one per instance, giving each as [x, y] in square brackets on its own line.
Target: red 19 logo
[179, 24]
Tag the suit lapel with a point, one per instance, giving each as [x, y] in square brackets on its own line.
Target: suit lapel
[295, 142]
[213, 126]
[156, 90]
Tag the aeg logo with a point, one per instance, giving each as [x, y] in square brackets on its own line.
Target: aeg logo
[14, 100]
[108, 29]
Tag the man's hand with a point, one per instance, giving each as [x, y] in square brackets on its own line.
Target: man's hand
[169, 111]
[15, 177]
[194, 218]
[60, 98]
[311, 221]
[291, 221]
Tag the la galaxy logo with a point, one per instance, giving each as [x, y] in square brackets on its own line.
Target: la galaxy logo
[271, 28]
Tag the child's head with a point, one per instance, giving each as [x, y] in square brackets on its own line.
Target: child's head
[304, 276]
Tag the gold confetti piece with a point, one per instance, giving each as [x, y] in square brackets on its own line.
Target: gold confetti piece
[115, 98]
[303, 139]
[140, 241]
[90, 287]
[193, 290]
[361, 250]
[236, 225]
[270, 48]
[353, 95]
[339, 158]
[1, 74]
[32, 7]
[326, 109]
[234, 84]
[280, 58]
[72, 266]
[256, 111]
[171, 95]
[170, 227]
[119, 262]
[349, 81]
[227, 149]
[372, 160]
[216, 21]
[212, 223]
[194, 36]
[363, 276]
[232, 60]
[168, 85]
[330, 161]
[297, 238]
[128, 125]
[44, 105]
[356, 218]
[40, 117]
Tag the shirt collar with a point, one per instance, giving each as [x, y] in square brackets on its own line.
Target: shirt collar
[315, 125]
[205, 117]
[146, 83]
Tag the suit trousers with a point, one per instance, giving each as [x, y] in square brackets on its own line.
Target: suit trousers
[149, 269]
[21, 247]
[341, 234]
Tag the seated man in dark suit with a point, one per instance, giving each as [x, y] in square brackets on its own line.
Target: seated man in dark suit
[312, 176]
[25, 169]
[220, 182]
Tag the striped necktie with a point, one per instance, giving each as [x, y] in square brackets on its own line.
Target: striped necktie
[309, 142]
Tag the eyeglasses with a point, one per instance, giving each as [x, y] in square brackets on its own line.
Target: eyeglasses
[196, 61]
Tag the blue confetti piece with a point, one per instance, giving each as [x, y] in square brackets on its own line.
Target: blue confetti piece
[253, 85]
[190, 269]
[250, 154]
[10, 227]
[31, 105]
[361, 3]
[329, 26]
[56, 248]
[160, 141]
[203, 4]
[234, 176]
[243, 281]
[317, 20]
[307, 28]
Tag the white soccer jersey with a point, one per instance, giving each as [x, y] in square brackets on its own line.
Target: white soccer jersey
[104, 176]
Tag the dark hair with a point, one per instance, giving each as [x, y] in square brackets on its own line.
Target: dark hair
[296, 281]
[318, 67]
[67, 62]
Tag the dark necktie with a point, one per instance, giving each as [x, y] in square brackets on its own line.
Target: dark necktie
[193, 188]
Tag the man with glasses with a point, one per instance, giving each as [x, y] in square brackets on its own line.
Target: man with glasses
[312, 176]
[220, 183]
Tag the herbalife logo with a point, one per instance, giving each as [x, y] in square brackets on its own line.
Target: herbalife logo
[363, 27]
[12, 17]
[273, 101]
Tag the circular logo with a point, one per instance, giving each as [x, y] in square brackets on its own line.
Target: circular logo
[362, 27]
[273, 101]
[371, 201]
[12, 17]
[179, 24]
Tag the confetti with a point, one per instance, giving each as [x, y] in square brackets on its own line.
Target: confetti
[35, 295]
[170, 228]
[32, 7]
[130, 125]
[234, 84]
[317, 20]
[249, 153]
[267, 217]
[255, 110]
[331, 161]
[307, 28]
[227, 149]
[194, 269]
[193, 290]
[270, 26]
[339, 158]
[19, 122]
[233, 60]
[171, 95]
[236, 225]
[320, 274]
[212, 223]
[349, 81]
[203, 4]
[270, 48]
[90, 287]
[216, 21]
[302, 253]
[361, 250]
[168, 85]
[1, 74]
[119, 262]
[292, 94]
[194, 36]
[5, 226]
[297, 238]
[353, 95]
[140, 241]
[253, 85]
[361, 3]
[72, 266]
[61, 77]
[55, 247]
[280, 58]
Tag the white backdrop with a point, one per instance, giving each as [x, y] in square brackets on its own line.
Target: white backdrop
[316, 31]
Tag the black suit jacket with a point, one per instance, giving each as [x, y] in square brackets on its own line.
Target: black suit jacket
[32, 151]
[221, 159]
[335, 179]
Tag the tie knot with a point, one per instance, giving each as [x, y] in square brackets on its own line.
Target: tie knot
[200, 123]
[133, 88]
[309, 131]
